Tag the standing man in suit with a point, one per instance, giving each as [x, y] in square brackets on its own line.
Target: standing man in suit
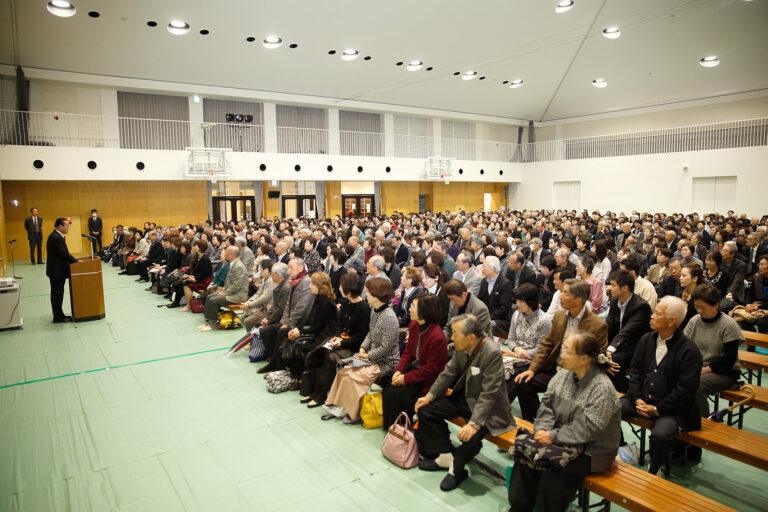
[57, 267]
[476, 375]
[34, 227]
[95, 229]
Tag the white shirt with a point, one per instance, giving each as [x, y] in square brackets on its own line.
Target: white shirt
[661, 348]
[554, 306]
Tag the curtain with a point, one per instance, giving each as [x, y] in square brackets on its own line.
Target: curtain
[320, 201]
[377, 196]
[302, 130]
[361, 133]
[258, 200]
[153, 121]
[236, 136]
[458, 140]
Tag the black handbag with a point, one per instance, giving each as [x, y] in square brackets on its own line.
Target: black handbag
[535, 455]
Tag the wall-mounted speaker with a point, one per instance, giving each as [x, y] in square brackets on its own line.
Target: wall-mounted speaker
[92, 165]
[273, 194]
[38, 164]
[140, 166]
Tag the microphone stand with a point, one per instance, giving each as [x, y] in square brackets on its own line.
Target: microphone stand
[13, 262]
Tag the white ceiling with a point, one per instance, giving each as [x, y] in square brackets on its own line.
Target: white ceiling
[655, 61]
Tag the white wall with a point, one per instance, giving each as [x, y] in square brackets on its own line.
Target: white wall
[63, 163]
[650, 182]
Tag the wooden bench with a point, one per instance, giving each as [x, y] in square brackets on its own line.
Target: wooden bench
[755, 339]
[760, 401]
[716, 437]
[627, 486]
[752, 365]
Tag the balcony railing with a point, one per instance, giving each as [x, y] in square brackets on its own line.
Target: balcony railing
[74, 130]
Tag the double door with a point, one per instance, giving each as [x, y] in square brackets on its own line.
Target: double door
[358, 205]
[299, 206]
[237, 208]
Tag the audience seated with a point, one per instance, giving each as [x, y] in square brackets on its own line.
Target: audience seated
[194, 277]
[475, 374]
[234, 291]
[378, 356]
[411, 286]
[466, 274]
[643, 288]
[423, 359]
[691, 276]
[596, 294]
[663, 381]
[579, 408]
[255, 308]
[496, 293]
[463, 302]
[736, 270]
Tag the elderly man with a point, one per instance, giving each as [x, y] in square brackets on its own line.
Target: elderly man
[295, 313]
[281, 252]
[463, 302]
[496, 293]
[465, 273]
[235, 289]
[449, 264]
[752, 251]
[575, 315]
[736, 270]
[359, 252]
[561, 258]
[663, 381]
[255, 308]
[476, 376]
[537, 253]
[476, 244]
[376, 267]
[518, 272]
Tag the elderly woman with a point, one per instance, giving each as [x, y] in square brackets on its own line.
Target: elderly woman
[579, 409]
[528, 327]
[411, 282]
[422, 361]
[378, 355]
[312, 258]
[718, 337]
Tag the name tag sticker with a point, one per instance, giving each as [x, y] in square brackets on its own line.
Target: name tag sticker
[475, 371]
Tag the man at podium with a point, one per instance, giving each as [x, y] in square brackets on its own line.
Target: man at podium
[57, 267]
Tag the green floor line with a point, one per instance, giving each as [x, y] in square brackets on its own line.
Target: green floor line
[111, 367]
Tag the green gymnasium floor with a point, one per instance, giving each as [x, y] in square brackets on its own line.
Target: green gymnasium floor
[139, 411]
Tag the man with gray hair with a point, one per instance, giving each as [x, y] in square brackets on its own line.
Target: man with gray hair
[476, 244]
[496, 292]
[465, 273]
[663, 381]
[376, 267]
[235, 289]
[281, 252]
[736, 271]
[476, 375]
[246, 254]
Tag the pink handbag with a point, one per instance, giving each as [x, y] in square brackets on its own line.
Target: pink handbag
[400, 443]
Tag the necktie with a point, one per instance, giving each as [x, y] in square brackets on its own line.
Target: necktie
[536, 261]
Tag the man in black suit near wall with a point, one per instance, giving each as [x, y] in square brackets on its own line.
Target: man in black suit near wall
[34, 227]
[95, 228]
[57, 267]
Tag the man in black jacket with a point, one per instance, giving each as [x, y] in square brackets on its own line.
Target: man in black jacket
[736, 271]
[34, 227]
[155, 255]
[57, 267]
[663, 381]
[95, 229]
[499, 297]
[519, 272]
[628, 319]
[401, 251]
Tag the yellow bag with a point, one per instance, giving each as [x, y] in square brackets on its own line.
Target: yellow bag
[372, 410]
[228, 320]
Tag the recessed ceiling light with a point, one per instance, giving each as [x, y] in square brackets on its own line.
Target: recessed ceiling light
[178, 27]
[514, 84]
[350, 54]
[205, 32]
[331, 52]
[61, 8]
[367, 57]
[612, 32]
[196, 98]
[272, 42]
[293, 46]
[152, 23]
[563, 6]
[710, 61]
[430, 68]
[468, 75]
[599, 83]
[414, 65]
[94, 14]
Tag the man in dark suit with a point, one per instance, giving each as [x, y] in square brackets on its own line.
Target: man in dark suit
[401, 251]
[752, 251]
[499, 298]
[537, 253]
[737, 272]
[57, 267]
[34, 227]
[628, 319]
[95, 229]
[518, 272]
[320, 244]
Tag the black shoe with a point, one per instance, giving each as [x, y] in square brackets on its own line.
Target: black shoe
[265, 369]
[693, 454]
[316, 404]
[430, 465]
[40, 262]
[33, 262]
[305, 400]
[143, 281]
[121, 273]
[326, 417]
[62, 320]
[450, 482]
[167, 295]
[173, 305]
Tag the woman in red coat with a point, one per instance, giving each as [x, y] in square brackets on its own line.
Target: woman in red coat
[422, 361]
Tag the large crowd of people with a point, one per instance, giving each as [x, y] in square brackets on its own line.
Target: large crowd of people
[559, 310]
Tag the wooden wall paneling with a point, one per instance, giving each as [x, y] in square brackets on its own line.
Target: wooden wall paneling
[271, 206]
[332, 206]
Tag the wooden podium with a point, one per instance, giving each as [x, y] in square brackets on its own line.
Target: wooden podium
[86, 289]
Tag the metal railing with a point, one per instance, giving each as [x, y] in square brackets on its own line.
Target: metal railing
[74, 130]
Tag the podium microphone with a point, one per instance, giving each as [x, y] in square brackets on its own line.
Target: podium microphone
[88, 237]
[11, 241]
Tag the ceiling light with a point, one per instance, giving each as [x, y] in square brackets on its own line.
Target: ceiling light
[61, 8]
[349, 54]
[414, 65]
[178, 27]
[272, 42]
[563, 6]
[196, 98]
[469, 75]
[612, 32]
[710, 61]
[514, 84]
[599, 83]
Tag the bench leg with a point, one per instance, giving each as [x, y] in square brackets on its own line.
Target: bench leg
[583, 501]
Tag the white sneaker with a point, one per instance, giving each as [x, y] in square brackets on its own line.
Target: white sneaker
[205, 328]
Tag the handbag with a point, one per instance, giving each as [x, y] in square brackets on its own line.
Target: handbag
[372, 410]
[279, 381]
[399, 446]
[227, 320]
[258, 351]
[535, 455]
[196, 305]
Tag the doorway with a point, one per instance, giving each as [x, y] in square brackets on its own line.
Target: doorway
[299, 206]
[237, 208]
[358, 205]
